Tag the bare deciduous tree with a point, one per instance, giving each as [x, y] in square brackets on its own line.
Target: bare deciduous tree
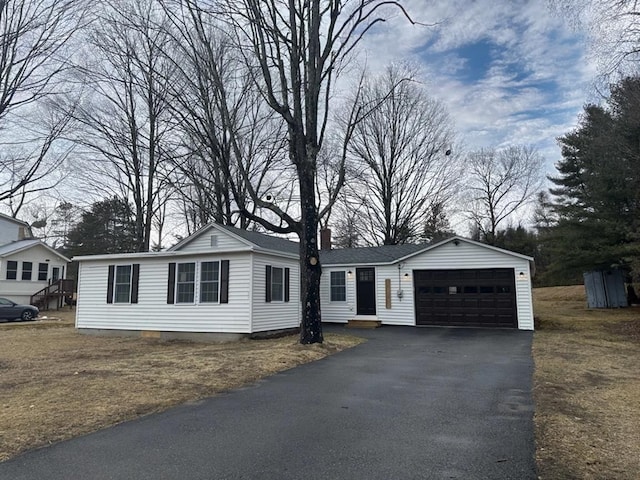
[402, 157]
[33, 164]
[501, 182]
[295, 50]
[224, 119]
[613, 27]
[33, 37]
[122, 119]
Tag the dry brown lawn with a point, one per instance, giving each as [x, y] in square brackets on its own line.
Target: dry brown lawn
[56, 384]
[587, 388]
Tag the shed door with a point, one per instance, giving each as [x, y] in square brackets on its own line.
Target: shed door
[469, 298]
[366, 291]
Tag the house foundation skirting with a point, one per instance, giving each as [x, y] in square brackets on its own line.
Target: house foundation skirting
[203, 337]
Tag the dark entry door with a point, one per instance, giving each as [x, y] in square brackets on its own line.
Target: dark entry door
[366, 291]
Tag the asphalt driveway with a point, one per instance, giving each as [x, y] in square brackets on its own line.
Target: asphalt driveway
[408, 404]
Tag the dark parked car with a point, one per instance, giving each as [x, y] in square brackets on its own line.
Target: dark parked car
[12, 311]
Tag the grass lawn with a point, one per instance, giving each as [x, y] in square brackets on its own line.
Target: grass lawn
[56, 384]
[587, 388]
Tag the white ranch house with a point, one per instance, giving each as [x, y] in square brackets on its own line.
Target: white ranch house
[223, 283]
[30, 270]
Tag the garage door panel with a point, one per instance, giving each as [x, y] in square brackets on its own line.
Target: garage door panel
[471, 303]
[480, 297]
[503, 303]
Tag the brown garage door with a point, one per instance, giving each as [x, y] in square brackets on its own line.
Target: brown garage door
[474, 298]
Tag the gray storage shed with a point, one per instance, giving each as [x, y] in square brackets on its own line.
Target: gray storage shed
[605, 289]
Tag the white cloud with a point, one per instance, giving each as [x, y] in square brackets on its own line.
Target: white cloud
[537, 81]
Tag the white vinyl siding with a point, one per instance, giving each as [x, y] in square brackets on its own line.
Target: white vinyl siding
[19, 290]
[338, 312]
[203, 243]
[274, 315]
[152, 311]
[9, 230]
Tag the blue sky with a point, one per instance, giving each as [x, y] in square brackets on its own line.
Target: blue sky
[509, 72]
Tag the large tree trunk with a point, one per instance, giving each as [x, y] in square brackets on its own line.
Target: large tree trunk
[310, 271]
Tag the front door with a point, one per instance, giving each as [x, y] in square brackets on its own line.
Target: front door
[366, 291]
[55, 274]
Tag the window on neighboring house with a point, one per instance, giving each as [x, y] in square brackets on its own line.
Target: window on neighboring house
[277, 284]
[186, 282]
[27, 268]
[43, 271]
[338, 287]
[12, 270]
[209, 282]
[122, 283]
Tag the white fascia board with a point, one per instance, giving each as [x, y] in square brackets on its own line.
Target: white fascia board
[480, 244]
[191, 253]
[35, 244]
[431, 247]
[277, 253]
[165, 254]
[203, 230]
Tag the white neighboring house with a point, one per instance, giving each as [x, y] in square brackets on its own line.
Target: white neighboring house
[27, 265]
[223, 283]
[454, 282]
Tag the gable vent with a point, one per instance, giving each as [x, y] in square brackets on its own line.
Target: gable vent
[214, 240]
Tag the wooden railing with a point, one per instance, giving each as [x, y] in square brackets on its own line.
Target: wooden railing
[58, 291]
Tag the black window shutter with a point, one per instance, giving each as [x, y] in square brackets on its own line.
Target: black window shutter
[171, 283]
[112, 272]
[267, 286]
[224, 281]
[134, 282]
[286, 284]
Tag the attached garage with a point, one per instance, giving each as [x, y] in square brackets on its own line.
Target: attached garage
[456, 282]
[466, 298]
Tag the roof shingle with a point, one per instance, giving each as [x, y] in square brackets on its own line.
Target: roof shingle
[369, 255]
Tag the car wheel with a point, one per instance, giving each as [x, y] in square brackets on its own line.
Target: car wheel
[27, 315]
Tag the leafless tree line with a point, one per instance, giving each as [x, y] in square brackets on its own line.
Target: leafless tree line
[183, 104]
[225, 110]
[34, 36]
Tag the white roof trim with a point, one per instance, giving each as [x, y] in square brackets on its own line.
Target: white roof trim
[203, 230]
[436, 245]
[191, 253]
[164, 254]
[473, 242]
[35, 244]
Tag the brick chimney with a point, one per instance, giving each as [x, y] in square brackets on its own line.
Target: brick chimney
[325, 239]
